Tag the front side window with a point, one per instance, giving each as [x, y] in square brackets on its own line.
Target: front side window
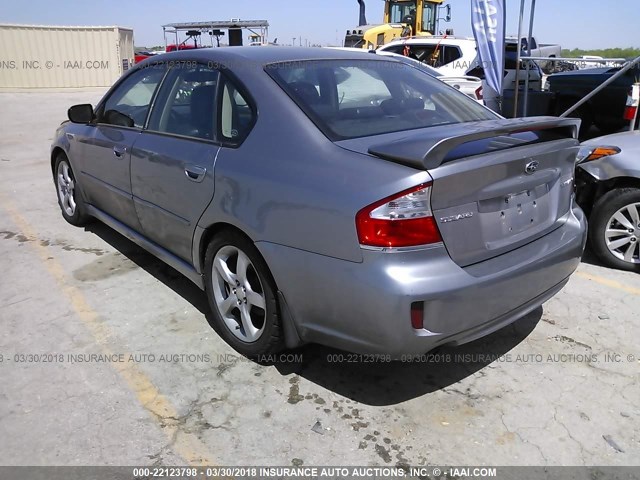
[129, 103]
[358, 98]
[187, 104]
[425, 53]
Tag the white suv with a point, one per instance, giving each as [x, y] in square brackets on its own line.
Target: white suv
[454, 56]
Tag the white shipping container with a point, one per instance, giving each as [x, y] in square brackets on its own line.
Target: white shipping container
[35, 56]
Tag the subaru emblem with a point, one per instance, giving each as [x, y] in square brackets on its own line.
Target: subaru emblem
[531, 168]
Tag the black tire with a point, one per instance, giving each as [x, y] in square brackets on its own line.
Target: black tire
[78, 217]
[603, 211]
[271, 338]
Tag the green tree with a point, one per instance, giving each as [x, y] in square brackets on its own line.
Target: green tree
[628, 53]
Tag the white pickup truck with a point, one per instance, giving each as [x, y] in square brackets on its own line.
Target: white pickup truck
[537, 50]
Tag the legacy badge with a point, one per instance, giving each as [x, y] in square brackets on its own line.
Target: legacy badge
[455, 218]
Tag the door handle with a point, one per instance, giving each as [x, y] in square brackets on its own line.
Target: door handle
[195, 173]
[119, 151]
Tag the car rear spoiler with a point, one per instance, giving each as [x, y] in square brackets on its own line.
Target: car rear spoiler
[429, 148]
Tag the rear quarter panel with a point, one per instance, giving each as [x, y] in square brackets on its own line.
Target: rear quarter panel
[288, 184]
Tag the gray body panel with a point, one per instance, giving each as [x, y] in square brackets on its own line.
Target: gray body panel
[366, 308]
[104, 157]
[625, 164]
[168, 201]
[296, 194]
[505, 207]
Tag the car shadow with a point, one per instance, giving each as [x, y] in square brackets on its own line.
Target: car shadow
[151, 264]
[379, 383]
[355, 377]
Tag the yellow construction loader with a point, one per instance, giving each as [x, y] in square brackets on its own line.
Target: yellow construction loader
[402, 18]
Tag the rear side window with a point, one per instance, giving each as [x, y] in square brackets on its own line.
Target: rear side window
[451, 54]
[237, 114]
[358, 98]
[435, 55]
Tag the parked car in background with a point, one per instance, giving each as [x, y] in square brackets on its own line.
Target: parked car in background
[323, 196]
[142, 55]
[449, 55]
[458, 57]
[606, 109]
[595, 61]
[537, 50]
[608, 189]
[467, 84]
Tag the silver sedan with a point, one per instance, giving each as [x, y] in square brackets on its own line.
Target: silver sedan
[321, 196]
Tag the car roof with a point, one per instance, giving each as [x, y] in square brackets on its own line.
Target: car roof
[263, 55]
[432, 41]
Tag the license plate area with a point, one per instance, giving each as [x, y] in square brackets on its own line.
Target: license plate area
[520, 212]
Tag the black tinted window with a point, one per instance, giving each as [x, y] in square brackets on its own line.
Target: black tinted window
[395, 49]
[425, 53]
[451, 54]
[129, 103]
[353, 98]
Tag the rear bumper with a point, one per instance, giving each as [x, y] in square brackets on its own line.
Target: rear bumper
[365, 307]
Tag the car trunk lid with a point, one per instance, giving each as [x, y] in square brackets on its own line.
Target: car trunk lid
[497, 185]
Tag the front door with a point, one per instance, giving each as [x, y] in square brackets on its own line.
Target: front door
[105, 159]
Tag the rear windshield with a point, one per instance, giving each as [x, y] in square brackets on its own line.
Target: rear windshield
[358, 98]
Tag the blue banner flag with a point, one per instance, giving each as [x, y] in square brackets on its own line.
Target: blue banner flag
[488, 21]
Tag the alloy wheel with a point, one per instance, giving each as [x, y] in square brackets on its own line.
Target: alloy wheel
[66, 188]
[622, 235]
[238, 294]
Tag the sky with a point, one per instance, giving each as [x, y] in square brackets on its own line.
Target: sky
[586, 24]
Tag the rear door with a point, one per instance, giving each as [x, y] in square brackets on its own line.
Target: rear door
[173, 160]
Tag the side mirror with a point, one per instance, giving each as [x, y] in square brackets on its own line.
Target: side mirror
[447, 17]
[82, 113]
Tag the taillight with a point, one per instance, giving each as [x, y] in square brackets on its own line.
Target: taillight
[479, 93]
[417, 315]
[402, 220]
